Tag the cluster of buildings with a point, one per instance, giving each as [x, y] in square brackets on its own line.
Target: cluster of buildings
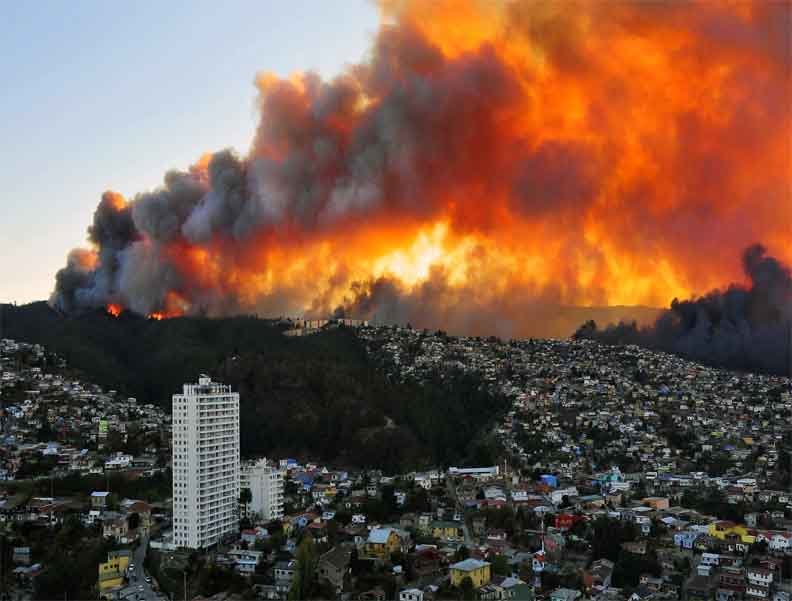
[52, 424]
[689, 466]
[305, 327]
[578, 405]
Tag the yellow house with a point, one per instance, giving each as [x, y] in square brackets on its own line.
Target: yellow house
[723, 528]
[111, 572]
[446, 530]
[478, 571]
[287, 527]
[382, 543]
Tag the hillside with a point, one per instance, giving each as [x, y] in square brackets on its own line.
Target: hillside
[317, 396]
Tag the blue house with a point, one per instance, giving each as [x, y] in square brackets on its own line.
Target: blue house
[686, 539]
[550, 480]
[306, 480]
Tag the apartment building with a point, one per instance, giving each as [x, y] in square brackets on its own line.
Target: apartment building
[205, 464]
[265, 481]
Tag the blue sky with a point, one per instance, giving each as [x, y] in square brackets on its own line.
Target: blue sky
[109, 95]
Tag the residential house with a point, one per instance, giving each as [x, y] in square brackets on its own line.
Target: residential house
[411, 594]
[732, 579]
[598, 576]
[284, 575]
[698, 587]
[445, 530]
[21, 556]
[382, 543]
[333, 567]
[636, 548]
[117, 528]
[112, 572]
[564, 594]
[99, 499]
[245, 560]
[426, 561]
[478, 571]
[686, 539]
[759, 583]
[722, 529]
[656, 503]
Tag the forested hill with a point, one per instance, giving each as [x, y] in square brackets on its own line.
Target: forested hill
[316, 396]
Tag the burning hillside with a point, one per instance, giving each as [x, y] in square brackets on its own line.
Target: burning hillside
[484, 166]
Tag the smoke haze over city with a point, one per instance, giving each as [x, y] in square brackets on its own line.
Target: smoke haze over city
[487, 167]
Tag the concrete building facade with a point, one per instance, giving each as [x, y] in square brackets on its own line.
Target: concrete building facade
[265, 482]
[205, 464]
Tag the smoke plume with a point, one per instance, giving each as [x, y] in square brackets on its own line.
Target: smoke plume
[743, 328]
[487, 166]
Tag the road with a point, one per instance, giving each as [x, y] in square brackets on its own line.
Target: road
[138, 588]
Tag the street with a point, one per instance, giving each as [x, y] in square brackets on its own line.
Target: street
[138, 588]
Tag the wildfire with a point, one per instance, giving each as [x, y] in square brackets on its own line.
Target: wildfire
[490, 160]
[114, 310]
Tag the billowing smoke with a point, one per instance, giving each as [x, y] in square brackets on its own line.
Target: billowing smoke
[490, 166]
[743, 327]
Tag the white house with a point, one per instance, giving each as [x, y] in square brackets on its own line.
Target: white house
[411, 594]
[779, 541]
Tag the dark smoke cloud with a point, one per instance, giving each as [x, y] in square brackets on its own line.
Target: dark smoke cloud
[741, 328]
[596, 167]
[160, 214]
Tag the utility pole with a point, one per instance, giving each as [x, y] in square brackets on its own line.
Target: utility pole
[185, 584]
[52, 507]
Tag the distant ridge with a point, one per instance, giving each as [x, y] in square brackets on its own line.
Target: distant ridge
[314, 396]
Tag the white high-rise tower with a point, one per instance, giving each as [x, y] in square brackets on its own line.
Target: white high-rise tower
[205, 464]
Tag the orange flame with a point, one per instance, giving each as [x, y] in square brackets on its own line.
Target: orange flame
[114, 309]
[517, 154]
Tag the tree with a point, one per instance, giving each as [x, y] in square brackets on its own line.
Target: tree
[133, 521]
[608, 536]
[500, 565]
[658, 529]
[389, 507]
[467, 590]
[245, 498]
[305, 572]
[461, 554]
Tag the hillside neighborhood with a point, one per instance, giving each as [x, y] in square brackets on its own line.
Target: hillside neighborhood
[616, 474]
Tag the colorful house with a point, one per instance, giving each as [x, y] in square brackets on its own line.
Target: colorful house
[446, 530]
[565, 521]
[382, 543]
[113, 571]
[723, 529]
[478, 571]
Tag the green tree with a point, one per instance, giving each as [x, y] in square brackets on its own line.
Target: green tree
[608, 536]
[500, 565]
[462, 553]
[466, 589]
[133, 521]
[245, 498]
[304, 581]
